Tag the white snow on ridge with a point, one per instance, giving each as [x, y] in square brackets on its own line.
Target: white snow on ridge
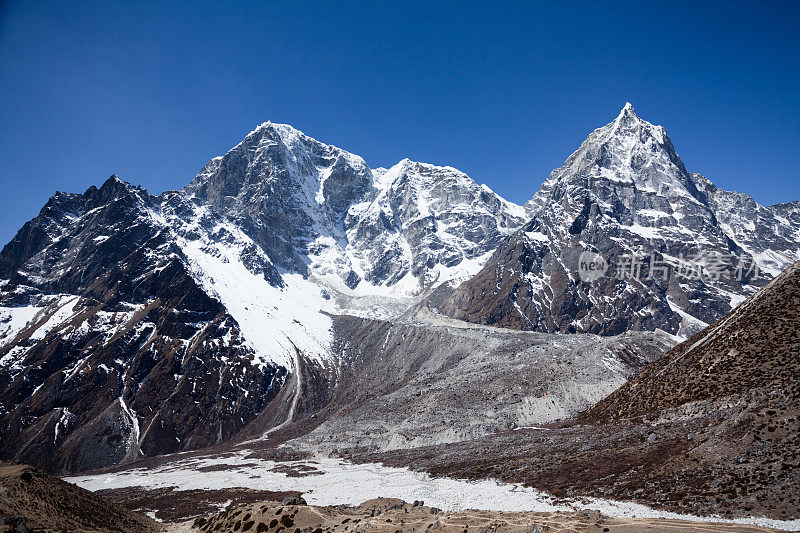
[537, 236]
[413, 195]
[66, 306]
[366, 481]
[274, 321]
[461, 272]
[52, 314]
[13, 320]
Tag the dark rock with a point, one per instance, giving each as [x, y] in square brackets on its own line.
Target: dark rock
[294, 500]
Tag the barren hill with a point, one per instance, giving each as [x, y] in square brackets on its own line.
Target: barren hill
[753, 352]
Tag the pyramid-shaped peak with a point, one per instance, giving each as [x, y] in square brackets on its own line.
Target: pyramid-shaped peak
[628, 150]
[629, 124]
[628, 111]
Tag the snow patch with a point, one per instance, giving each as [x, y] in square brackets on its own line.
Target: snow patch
[274, 321]
[366, 481]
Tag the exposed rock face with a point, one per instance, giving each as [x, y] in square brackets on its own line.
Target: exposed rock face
[447, 221]
[317, 208]
[680, 252]
[275, 184]
[110, 348]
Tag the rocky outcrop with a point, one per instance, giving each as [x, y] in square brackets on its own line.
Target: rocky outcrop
[622, 237]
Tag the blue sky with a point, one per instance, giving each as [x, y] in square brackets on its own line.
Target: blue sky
[503, 91]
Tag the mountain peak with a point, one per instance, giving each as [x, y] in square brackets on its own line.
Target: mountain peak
[627, 117]
[297, 142]
[628, 125]
[628, 110]
[286, 132]
[115, 184]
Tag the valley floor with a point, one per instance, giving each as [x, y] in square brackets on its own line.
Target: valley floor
[197, 484]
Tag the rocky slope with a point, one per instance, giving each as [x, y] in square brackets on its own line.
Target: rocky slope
[742, 377]
[437, 380]
[754, 352]
[710, 426]
[319, 209]
[29, 498]
[111, 349]
[623, 237]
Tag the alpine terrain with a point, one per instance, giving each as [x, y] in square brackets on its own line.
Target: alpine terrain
[680, 252]
[710, 427]
[290, 291]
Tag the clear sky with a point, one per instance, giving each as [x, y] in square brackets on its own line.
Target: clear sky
[503, 91]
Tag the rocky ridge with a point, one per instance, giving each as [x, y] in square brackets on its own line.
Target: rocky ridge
[672, 251]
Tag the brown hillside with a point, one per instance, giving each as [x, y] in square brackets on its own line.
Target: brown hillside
[46, 502]
[755, 350]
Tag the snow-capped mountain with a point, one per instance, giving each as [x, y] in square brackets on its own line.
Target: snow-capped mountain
[670, 249]
[111, 348]
[127, 318]
[133, 324]
[317, 209]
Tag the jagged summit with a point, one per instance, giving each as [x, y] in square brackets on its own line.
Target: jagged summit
[294, 140]
[627, 112]
[629, 124]
[625, 194]
[629, 121]
[113, 182]
[286, 130]
[318, 208]
[627, 152]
